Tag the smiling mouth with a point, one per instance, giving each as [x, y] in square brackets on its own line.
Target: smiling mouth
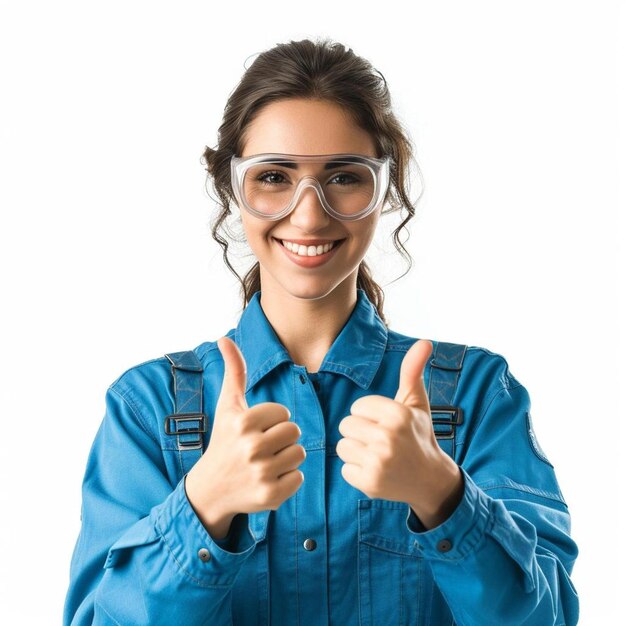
[295, 249]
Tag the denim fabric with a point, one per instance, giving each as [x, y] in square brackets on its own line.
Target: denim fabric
[329, 554]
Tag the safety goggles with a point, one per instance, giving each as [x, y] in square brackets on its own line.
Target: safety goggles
[349, 186]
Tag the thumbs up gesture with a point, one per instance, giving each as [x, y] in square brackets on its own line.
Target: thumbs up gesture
[390, 450]
[251, 462]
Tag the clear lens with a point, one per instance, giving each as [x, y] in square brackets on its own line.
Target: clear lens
[269, 187]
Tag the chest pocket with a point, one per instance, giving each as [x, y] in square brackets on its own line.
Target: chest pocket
[392, 573]
[395, 585]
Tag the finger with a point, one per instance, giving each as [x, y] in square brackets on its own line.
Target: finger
[233, 391]
[411, 389]
[378, 409]
[350, 451]
[360, 429]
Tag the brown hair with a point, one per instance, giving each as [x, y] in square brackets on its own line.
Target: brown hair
[324, 70]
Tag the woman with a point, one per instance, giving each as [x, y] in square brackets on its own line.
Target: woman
[318, 489]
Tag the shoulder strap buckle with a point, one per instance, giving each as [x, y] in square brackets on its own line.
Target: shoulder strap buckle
[185, 443]
[189, 422]
[454, 419]
[445, 369]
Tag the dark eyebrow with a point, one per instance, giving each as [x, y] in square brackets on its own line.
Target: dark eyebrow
[327, 166]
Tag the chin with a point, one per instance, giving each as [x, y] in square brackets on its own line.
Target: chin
[309, 291]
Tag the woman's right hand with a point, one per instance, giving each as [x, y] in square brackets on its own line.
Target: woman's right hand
[251, 460]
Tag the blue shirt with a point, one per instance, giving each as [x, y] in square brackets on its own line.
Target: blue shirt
[328, 554]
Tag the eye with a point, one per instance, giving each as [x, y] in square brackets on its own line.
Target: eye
[345, 178]
[270, 178]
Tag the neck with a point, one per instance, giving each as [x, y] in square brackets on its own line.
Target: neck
[308, 327]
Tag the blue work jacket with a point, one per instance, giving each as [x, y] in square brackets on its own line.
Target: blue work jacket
[329, 554]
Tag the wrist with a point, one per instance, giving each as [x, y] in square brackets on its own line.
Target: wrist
[215, 520]
[447, 498]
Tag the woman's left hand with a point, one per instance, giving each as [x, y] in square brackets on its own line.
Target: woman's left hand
[390, 450]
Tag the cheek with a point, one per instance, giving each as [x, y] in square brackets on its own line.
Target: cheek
[263, 244]
[257, 236]
[362, 238]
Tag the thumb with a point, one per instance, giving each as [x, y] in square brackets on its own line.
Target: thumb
[233, 392]
[411, 390]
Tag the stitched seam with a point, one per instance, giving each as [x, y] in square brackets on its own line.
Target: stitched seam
[401, 619]
[398, 346]
[488, 525]
[108, 615]
[268, 360]
[347, 367]
[126, 371]
[184, 571]
[488, 404]
[532, 444]
[295, 412]
[350, 371]
[136, 413]
[212, 346]
[527, 489]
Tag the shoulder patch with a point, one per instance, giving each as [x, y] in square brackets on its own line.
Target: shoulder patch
[533, 440]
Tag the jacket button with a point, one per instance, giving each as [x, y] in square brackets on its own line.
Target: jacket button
[204, 554]
[444, 545]
[310, 544]
[302, 379]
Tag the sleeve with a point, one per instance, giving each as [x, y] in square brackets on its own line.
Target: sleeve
[142, 555]
[505, 555]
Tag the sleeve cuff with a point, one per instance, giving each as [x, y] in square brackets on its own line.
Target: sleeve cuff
[192, 547]
[461, 532]
[239, 537]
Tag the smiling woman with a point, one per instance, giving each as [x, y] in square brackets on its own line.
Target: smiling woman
[338, 103]
[298, 470]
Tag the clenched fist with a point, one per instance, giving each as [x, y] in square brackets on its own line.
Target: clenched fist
[252, 458]
[390, 449]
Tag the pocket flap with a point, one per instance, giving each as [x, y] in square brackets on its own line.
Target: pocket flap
[383, 525]
[140, 533]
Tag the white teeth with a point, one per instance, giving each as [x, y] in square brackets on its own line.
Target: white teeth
[307, 250]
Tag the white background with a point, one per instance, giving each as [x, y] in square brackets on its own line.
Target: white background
[107, 258]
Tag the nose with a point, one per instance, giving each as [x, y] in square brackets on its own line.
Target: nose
[308, 201]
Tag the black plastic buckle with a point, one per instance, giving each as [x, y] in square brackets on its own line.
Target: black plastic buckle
[194, 444]
[455, 418]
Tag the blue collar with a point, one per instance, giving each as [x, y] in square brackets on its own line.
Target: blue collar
[357, 351]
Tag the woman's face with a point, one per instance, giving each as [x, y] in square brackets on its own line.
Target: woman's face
[299, 126]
